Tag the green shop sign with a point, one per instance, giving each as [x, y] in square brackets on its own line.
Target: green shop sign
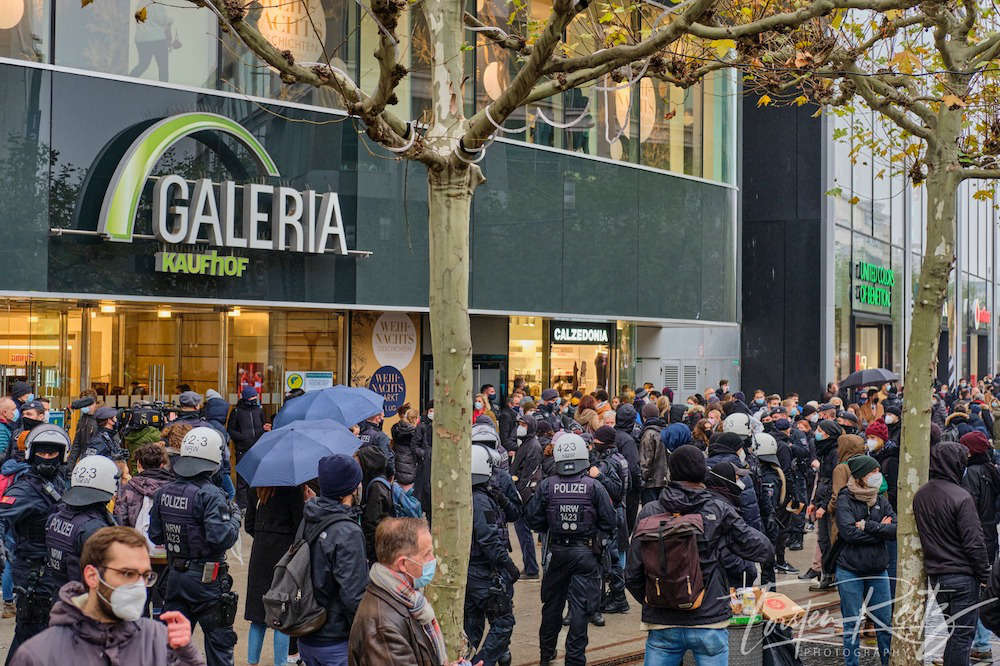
[875, 284]
[193, 263]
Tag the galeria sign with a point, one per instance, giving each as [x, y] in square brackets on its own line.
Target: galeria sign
[297, 221]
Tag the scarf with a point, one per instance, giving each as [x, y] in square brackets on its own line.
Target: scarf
[420, 609]
[862, 493]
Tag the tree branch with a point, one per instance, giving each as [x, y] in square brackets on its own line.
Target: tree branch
[887, 105]
[387, 13]
[985, 50]
[515, 43]
[972, 173]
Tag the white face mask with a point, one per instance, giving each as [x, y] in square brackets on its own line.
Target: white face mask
[871, 444]
[890, 419]
[127, 601]
[522, 431]
[813, 418]
[430, 416]
[874, 480]
[743, 455]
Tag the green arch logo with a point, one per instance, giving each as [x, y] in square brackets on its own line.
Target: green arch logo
[121, 200]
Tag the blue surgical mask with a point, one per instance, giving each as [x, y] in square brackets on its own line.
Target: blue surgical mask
[85, 410]
[820, 435]
[29, 397]
[479, 404]
[426, 574]
[758, 401]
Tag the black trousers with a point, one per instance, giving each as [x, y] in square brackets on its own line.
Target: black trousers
[573, 575]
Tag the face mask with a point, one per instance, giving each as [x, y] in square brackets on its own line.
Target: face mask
[30, 423]
[558, 401]
[742, 455]
[758, 401]
[862, 400]
[813, 418]
[127, 601]
[871, 444]
[522, 431]
[874, 480]
[46, 468]
[820, 435]
[740, 483]
[479, 404]
[426, 574]
[891, 418]
[29, 397]
[85, 410]
[430, 416]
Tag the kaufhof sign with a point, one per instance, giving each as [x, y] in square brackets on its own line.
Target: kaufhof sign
[205, 212]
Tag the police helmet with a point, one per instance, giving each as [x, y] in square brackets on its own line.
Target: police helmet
[485, 434]
[738, 423]
[571, 455]
[47, 436]
[94, 480]
[201, 451]
[482, 465]
[766, 447]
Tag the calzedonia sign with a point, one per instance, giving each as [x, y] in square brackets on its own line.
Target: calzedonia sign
[873, 284]
[576, 333]
[204, 212]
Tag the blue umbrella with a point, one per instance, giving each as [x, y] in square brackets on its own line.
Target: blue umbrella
[289, 456]
[347, 405]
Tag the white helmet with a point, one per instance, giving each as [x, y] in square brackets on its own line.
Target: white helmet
[482, 465]
[738, 423]
[47, 435]
[570, 454]
[201, 451]
[766, 447]
[485, 434]
[94, 480]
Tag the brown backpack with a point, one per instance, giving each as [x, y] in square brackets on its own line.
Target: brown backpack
[668, 545]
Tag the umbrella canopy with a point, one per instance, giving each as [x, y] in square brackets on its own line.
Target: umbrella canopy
[869, 377]
[347, 405]
[290, 455]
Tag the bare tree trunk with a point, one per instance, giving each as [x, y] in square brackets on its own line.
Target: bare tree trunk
[449, 202]
[942, 186]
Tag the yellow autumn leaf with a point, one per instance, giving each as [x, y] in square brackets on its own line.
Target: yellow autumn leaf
[746, 12]
[853, 200]
[906, 61]
[819, 112]
[140, 15]
[894, 14]
[723, 46]
[953, 101]
[838, 17]
[84, 3]
[800, 100]
[763, 101]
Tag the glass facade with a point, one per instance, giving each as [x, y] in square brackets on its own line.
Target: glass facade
[878, 223]
[652, 123]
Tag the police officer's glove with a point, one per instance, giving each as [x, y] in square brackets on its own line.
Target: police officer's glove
[512, 571]
[498, 496]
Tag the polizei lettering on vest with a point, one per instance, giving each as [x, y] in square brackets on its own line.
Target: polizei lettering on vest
[571, 488]
[60, 526]
[174, 502]
[299, 221]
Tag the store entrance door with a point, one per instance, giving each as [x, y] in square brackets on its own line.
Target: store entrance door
[872, 345]
[486, 369]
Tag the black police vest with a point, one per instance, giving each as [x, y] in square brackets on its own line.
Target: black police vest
[182, 526]
[570, 511]
[32, 528]
[493, 515]
[62, 535]
[101, 445]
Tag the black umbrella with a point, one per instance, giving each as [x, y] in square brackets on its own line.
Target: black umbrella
[869, 377]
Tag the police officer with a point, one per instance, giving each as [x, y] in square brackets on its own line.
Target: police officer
[573, 508]
[776, 494]
[82, 511]
[197, 523]
[491, 571]
[25, 510]
[614, 476]
[191, 415]
[371, 435]
[107, 442]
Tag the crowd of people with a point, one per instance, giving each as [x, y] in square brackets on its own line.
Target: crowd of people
[116, 540]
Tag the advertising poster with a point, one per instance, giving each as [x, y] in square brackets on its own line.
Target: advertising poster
[250, 374]
[385, 358]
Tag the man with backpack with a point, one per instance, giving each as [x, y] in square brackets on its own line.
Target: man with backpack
[574, 509]
[339, 568]
[652, 454]
[694, 525]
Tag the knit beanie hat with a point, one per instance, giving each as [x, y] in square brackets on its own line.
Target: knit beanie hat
[976, 442]
[339, 476]
[878, 429]
[605, 435]
[687, 463]
[861, 466]
[650, 411]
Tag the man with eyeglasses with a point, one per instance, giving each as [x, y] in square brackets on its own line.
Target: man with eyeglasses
[82, 511]
[98, 621]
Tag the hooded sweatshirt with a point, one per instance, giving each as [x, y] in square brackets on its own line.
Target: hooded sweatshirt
[93, 643]
[848, 446]
[129, 499]
[946, 517]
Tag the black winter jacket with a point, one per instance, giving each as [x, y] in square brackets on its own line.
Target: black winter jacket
[947, 521]
[723, 528]
[407, 455]
[526, 468]
[826, 452]
[339, 569]
[627, 441]
[507, 422]
[864, 551]
[246, 425]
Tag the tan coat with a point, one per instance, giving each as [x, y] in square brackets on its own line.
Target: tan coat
[847, 446]
[868, 414]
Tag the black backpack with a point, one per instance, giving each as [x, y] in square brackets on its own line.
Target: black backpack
[290, 605]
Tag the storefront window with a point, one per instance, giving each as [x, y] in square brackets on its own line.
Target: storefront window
[32, 349]
[842, 302]
[24, 30]
[525, 354]
[898, 341]
[626, 356]
[174, 44]
[581, 356]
